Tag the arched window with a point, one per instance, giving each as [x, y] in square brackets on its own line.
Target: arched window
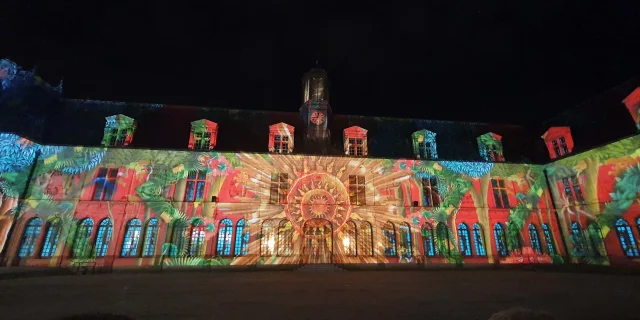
[83, 235]
[268, 238]
[405, 240]
[501, 241]
[595, 236]
[196, 243]
[285, 238]
[178, 239]
[365, 241]
[515, 240]
[30, 238]
[349, 239]
[131, 238]
[242, 239]
[534, 238]
[442, 239]
[478, 240]
[428, 240]
[225, 232]
[103, 237]
[150, 238]
[389, 238]
[463, 238]
[577, 236]
[548, 238]
[626, 238]
[51, 238]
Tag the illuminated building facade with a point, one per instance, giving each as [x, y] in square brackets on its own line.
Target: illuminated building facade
[140, 185]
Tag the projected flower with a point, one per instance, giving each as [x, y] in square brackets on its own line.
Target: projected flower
[317, 195]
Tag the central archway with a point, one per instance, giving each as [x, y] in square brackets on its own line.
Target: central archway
[318, 241]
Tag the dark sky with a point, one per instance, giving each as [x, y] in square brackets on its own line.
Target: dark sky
[496, 61]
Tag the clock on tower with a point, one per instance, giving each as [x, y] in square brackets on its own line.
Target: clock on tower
[315, 110]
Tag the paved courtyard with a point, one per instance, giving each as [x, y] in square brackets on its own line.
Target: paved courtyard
[441, 294]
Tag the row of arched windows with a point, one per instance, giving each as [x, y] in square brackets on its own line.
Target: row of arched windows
[277, 238]
[192, 243]
[83, 246]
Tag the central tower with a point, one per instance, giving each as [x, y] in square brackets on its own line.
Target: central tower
[315, 110]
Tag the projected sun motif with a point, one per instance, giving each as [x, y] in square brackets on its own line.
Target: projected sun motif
[317, 195]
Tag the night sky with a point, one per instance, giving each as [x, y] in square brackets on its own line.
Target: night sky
[490, 61]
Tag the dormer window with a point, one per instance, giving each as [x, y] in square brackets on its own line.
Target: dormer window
[558, 141]
[204, 134]
[281, 138]
[118, 132]
[490, 146]
[424, 144]
[632, 101]
[355, 141]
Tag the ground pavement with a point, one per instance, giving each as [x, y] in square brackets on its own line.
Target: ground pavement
[261, 295]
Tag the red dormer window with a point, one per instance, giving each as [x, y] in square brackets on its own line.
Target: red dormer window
[355, 141]
[204, 134]
[558, 141]
[281, 138]
[118, 132]
[632, 101]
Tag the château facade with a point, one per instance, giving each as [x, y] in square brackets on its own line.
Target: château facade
[141, 185]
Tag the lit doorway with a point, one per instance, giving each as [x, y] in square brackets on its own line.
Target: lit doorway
[318, 241]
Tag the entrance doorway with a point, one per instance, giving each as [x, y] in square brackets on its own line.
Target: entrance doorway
[318, 241]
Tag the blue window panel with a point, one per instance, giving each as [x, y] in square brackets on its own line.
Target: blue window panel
[223, 247]
[30, 238]
[548, 238]
[478, 240]
[405, 240]
[196, 245]
[534, 238]
[191, 190]
[178, 239]
[578, 238]
[150, 238]
[442, 238]
[81, 248]
[242, 239]
[463, 237]
[428, 240]
[501, 243]
[105, 231]
[626, 238]
[389, 234]
[131, 238]
[51, 239]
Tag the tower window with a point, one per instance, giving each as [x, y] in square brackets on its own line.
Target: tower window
[357, 190]
[424, 144]
[490, 146]
[573, 190]
[281, 144]
[118, 132]
[203, 135]
[356, 147]
[355, 141]
[281, 136]
[560, 146]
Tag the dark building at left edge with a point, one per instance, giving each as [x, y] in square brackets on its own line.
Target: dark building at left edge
[126, 185]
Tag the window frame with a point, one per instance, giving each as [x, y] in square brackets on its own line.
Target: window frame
[478, 240]
[48, 247]
[30, 236]
[224, 240]
[101, 188]
[197, 179]
[389, 239]
[464, 240]
[132, 244]
[500, 193]
[357, 190]
[278, 188]
[573, 190]
[430, 193]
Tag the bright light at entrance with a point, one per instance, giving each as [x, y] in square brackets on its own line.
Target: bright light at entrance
[271, 243]
[346, 241]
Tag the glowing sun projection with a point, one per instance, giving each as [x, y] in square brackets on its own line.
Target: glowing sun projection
[318, 195]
